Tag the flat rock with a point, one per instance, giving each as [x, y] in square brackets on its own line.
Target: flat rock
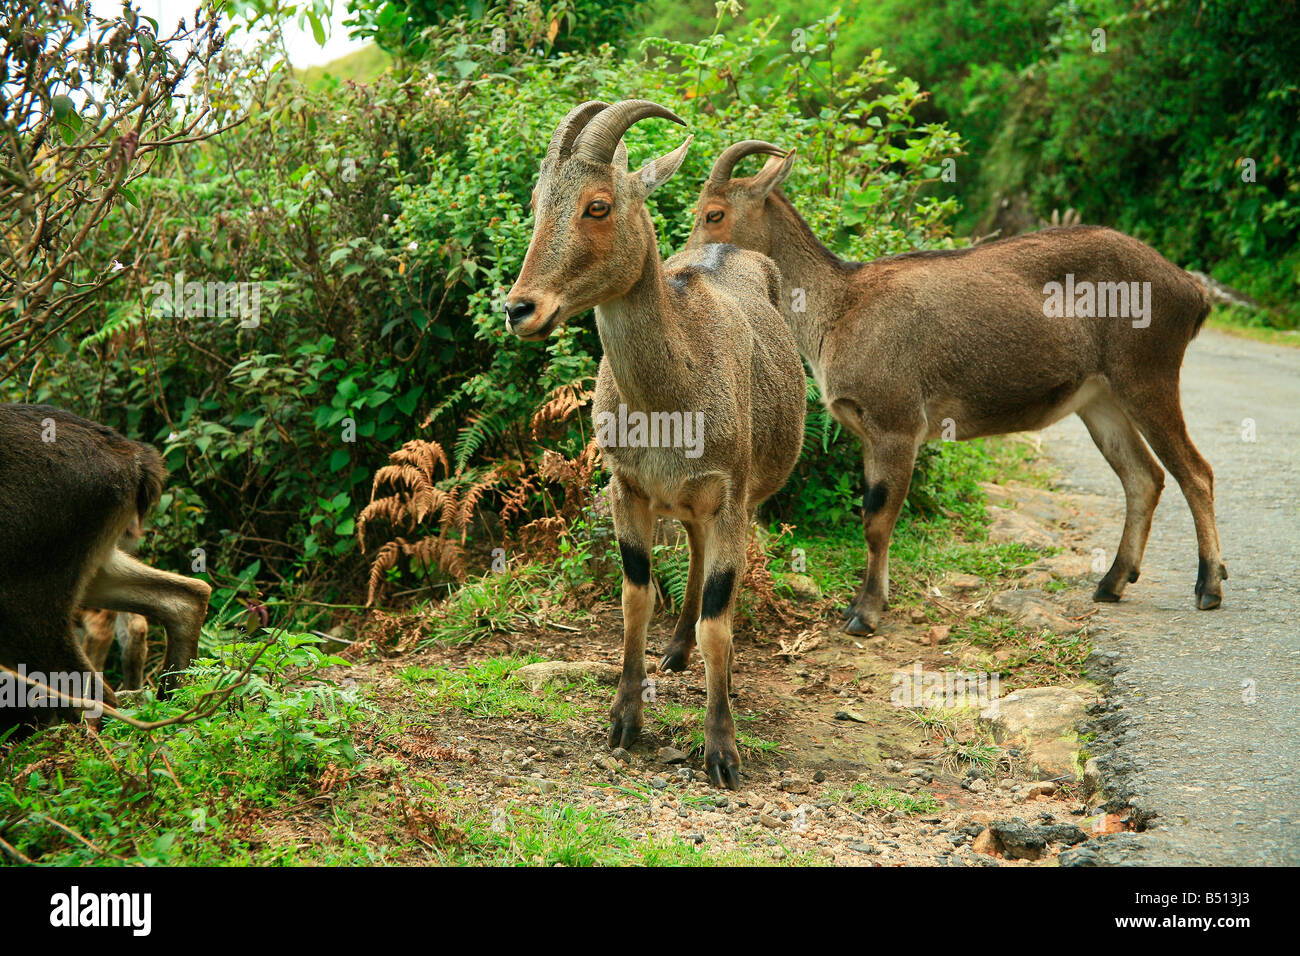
[1068, 565]
[956, 583]
[1012, 527]
[1091, 776]
[539, 675]
[1053, 759]
[1037, 503]
[1019, 840]
[987, 843]
[1036, 714]
[1032, 609]
[1066, 833]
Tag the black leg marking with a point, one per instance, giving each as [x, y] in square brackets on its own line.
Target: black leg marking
[874, 498]
[636, 564]
[717, 593]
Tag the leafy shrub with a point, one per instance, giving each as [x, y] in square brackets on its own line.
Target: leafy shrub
[381, 225]
[186, 792]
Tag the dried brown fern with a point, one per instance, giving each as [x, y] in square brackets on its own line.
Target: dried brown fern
[560, 406]
[758, 583]
[412, 472]
[541, 536]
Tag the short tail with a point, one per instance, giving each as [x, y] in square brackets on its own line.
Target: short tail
[1203, 293]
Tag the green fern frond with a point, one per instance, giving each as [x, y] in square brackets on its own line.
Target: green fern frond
[124, 317]
[484, 427]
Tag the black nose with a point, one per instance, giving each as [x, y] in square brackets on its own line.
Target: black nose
[517, 312]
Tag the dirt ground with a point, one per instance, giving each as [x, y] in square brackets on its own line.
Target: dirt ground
[821, 696]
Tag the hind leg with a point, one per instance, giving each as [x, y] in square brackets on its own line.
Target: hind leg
[678, 653]
[1159, 416]
[63, 667]
[888, 463]
[178, 603]
[1140, 474]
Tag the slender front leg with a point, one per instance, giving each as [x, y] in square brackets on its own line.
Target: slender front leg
[633, 524]
[678, 653]
[887, 463]
[724, 554]
[132, 632]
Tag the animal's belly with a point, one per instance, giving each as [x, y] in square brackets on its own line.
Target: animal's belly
[972, 418]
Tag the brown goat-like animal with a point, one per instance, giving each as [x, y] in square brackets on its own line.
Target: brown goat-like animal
[75, 493]
[700, 337]
[98, 629]
[959, 344]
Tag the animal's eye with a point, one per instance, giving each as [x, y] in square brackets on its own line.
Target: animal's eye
[597, 209]
[714, 215]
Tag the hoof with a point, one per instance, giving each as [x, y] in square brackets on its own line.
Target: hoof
[623, 733]
[724, 769]
[846, 611]
[1208, 593]
[1104, 595]
[857, 625]
[625, 720]
[674, 659]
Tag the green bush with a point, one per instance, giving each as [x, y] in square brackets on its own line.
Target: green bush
[382, 224]
[187, 792]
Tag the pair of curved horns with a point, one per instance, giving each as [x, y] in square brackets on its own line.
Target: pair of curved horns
[592, 130]
[735, 153]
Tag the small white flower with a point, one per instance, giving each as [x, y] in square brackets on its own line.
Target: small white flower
[412, 247]
[117, 266]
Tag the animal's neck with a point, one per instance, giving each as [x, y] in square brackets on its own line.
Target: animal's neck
[813, 277]
[643, 341]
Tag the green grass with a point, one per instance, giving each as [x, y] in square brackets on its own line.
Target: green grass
[951, 535]
[563, 835]
[1035, 657]
[864, 796]
[982, 755]
[494, 603]
[485, 689]
[186, 794]
[934, 721]
[1247, 325]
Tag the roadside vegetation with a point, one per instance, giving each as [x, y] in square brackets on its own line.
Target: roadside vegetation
[416, 504]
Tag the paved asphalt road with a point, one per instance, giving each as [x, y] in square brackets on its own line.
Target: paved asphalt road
[1210, 700]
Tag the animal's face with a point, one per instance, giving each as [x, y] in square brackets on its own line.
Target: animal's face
[735, 210]
[590, 236]
[591, 232]
[732, 213]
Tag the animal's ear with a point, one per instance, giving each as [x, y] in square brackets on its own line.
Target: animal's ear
[620, 156]
[773, 173]
[656, 172]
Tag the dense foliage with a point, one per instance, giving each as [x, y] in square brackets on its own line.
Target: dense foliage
[1138, 115]
[380, 225]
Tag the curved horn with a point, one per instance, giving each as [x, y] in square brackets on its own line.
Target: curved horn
[735, 153]
[598, 141]
[572, 124]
